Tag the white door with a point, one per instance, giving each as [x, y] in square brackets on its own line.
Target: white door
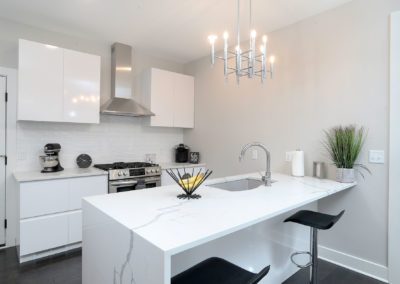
[3, 113]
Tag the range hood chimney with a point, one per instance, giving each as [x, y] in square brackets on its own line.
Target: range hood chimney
[121, 102]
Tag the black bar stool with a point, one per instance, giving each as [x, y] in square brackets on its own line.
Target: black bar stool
[316, 221]
[216, 270]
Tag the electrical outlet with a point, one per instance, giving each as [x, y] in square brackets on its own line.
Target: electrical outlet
[376, 156]
[289, 156]
[254, 155]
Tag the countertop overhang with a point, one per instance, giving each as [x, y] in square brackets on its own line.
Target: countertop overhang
[29, 176]
[174, 225]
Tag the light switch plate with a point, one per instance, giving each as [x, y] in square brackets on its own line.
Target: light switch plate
[376, 156]
[289, 156]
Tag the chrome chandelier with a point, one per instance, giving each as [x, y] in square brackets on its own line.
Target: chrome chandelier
[248, 62]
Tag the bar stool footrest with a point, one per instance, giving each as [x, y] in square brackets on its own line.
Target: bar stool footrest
[301, 253]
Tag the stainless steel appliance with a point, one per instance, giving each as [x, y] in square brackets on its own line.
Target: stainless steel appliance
[51, 161]
[121, 102]
[181, 153]
[131, 176]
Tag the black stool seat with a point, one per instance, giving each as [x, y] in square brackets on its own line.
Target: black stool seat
[313, 219]
[216, 270]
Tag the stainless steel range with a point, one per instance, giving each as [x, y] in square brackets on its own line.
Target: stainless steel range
[131, 176]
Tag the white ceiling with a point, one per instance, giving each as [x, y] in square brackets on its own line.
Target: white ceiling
[173, 29]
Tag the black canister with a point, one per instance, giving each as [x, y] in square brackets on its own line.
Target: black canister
[181, 153]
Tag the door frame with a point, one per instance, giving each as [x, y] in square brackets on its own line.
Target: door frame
[11, 152]
[394, 152]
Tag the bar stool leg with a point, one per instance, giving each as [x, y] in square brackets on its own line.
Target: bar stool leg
[314, 254]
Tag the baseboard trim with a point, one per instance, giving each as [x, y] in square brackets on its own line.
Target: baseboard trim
[366, 267]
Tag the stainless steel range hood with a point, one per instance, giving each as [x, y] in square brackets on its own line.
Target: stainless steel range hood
[121, 102]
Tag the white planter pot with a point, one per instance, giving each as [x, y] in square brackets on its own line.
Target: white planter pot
[345, 175]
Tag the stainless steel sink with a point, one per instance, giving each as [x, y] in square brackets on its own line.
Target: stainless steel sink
[239, 185]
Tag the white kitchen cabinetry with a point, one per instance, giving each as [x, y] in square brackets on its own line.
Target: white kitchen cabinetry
[51, 215]
[57, 84]
[171, 97]
[166, 179]
[81, 87]
[40, 82]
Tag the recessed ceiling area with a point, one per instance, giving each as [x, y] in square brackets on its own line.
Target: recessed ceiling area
[173, 29]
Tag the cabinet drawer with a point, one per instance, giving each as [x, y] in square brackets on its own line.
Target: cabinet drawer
[43, 233]
[43, 197]
[75, 227]
[83, 187]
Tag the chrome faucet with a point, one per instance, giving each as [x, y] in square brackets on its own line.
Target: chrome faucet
[267, 177]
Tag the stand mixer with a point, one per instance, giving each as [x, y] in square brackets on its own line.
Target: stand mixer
[51, 162]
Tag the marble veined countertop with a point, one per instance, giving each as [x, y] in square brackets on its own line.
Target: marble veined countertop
[174, 225]
[66, 173]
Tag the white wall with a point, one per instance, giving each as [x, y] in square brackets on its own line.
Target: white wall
[394, 178]
[114, 139]
[331, 69]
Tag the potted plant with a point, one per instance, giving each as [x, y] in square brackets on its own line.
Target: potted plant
[344, 146]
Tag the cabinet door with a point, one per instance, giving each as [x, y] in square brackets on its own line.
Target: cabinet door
[40, 82]
[183, 101]
[43, 233]
[81, 87]
[43, 197]
[162, 101]
[75, 227]
[86, 186]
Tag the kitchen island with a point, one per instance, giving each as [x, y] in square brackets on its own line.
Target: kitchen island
[150, 235]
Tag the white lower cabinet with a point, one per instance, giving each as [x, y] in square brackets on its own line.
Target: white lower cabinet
[75, 227]
[51, 215]
[43, 233]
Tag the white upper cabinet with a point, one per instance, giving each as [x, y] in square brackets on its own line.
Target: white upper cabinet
[183, 101]
[161, 98]
[40, 82]
[57, 84]
[170, 96]
[81, 87]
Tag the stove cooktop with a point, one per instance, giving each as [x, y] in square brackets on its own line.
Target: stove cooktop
[124, 165]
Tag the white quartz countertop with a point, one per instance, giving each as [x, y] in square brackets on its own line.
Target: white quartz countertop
[174, 225]
[165, 166]
[66, 173]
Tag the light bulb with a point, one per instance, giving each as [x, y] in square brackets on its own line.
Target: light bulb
[264, 39]
[272, 59]
[212, 39]
[226, 35]
[253, 34]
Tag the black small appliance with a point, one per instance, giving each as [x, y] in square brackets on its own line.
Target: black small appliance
[181, 153]
[51, 161]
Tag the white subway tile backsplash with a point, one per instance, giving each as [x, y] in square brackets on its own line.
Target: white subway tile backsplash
[114, 139]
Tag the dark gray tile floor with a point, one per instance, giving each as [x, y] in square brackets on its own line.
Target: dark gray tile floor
[66, 269]
[329, 273]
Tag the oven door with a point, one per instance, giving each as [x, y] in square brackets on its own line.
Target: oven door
[122, 185]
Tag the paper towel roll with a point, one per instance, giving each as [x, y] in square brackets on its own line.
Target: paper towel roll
[298, 163]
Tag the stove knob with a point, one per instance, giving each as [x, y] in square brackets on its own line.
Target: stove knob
[125, 174]
[119, 174]
[152, 171]
[158, 170]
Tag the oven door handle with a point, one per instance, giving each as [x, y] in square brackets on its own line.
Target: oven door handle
[131, 182]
